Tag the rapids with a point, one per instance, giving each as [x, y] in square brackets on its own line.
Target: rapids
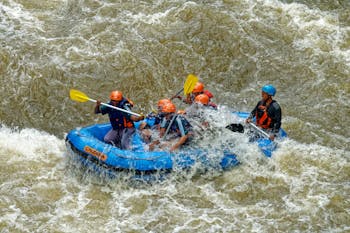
[146, 49]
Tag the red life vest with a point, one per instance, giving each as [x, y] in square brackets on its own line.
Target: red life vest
[262, 118]
[208, 93]
[128, 123]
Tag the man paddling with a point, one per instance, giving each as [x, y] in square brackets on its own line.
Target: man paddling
[267, 112]
[199, 90]
[122, 123]
[178, 128]
[152, 121]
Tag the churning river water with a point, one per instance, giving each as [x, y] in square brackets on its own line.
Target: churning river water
[146, 49]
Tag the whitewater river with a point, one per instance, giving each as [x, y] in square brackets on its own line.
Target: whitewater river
[146, 49]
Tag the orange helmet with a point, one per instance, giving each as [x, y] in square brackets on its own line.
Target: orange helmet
[162, 102]
[199, 87]
[169, 108]
[202, 99]
[116, 95]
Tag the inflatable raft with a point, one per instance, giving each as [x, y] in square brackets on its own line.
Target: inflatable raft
[90, 149]
[88, 144]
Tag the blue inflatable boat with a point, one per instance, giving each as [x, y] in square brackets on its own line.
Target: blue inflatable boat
[88, 144]
[90, 149]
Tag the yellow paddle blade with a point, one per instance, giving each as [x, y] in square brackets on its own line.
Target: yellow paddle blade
[78, 96]
[190, 83]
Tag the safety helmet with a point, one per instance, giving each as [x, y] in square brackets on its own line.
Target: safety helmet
[269, 89]
[169, 108]
[162, 102]
[199, 87]
[116, 96]
[202, 99]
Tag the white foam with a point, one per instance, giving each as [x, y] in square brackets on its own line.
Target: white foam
[29, 144]
[16, 13]
[318, 29]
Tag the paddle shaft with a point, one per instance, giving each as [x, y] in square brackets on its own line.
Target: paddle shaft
[239, 128]
[177, 94]
[259, 130]
[114, 107]
[167, 129]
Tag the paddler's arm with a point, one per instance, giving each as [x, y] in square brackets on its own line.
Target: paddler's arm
[97, 107]
[188, 99]
[162, 132]
[133, 117]
[181, 141]
[252, 114]
[142, 125]
[137, 118]
[277, 119]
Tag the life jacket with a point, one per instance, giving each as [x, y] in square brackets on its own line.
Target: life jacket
[208, 93]
[262, 118]
[118, 119]
[180, 126]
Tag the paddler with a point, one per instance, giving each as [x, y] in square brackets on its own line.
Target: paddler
[122, 123]
[153, 120]
[174, 129]
[199, 90]
[267, 113]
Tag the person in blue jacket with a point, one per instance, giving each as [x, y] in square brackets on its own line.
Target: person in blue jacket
[152, 121]
[122, 123]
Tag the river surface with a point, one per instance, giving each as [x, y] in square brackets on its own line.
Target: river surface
[146, 49]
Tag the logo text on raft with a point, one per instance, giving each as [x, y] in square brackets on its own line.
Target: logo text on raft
[95, 153]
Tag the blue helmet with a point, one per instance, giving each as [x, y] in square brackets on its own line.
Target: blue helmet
[269, 89]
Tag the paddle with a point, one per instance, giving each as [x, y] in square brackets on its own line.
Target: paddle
[82, 97]
[260, 131]
[177, 94]
[235, 128]
[167, 129]
[240, 129]
[189, 85]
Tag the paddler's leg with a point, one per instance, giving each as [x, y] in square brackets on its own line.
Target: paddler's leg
[126, 138]
[113, 137]
[146, 135]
